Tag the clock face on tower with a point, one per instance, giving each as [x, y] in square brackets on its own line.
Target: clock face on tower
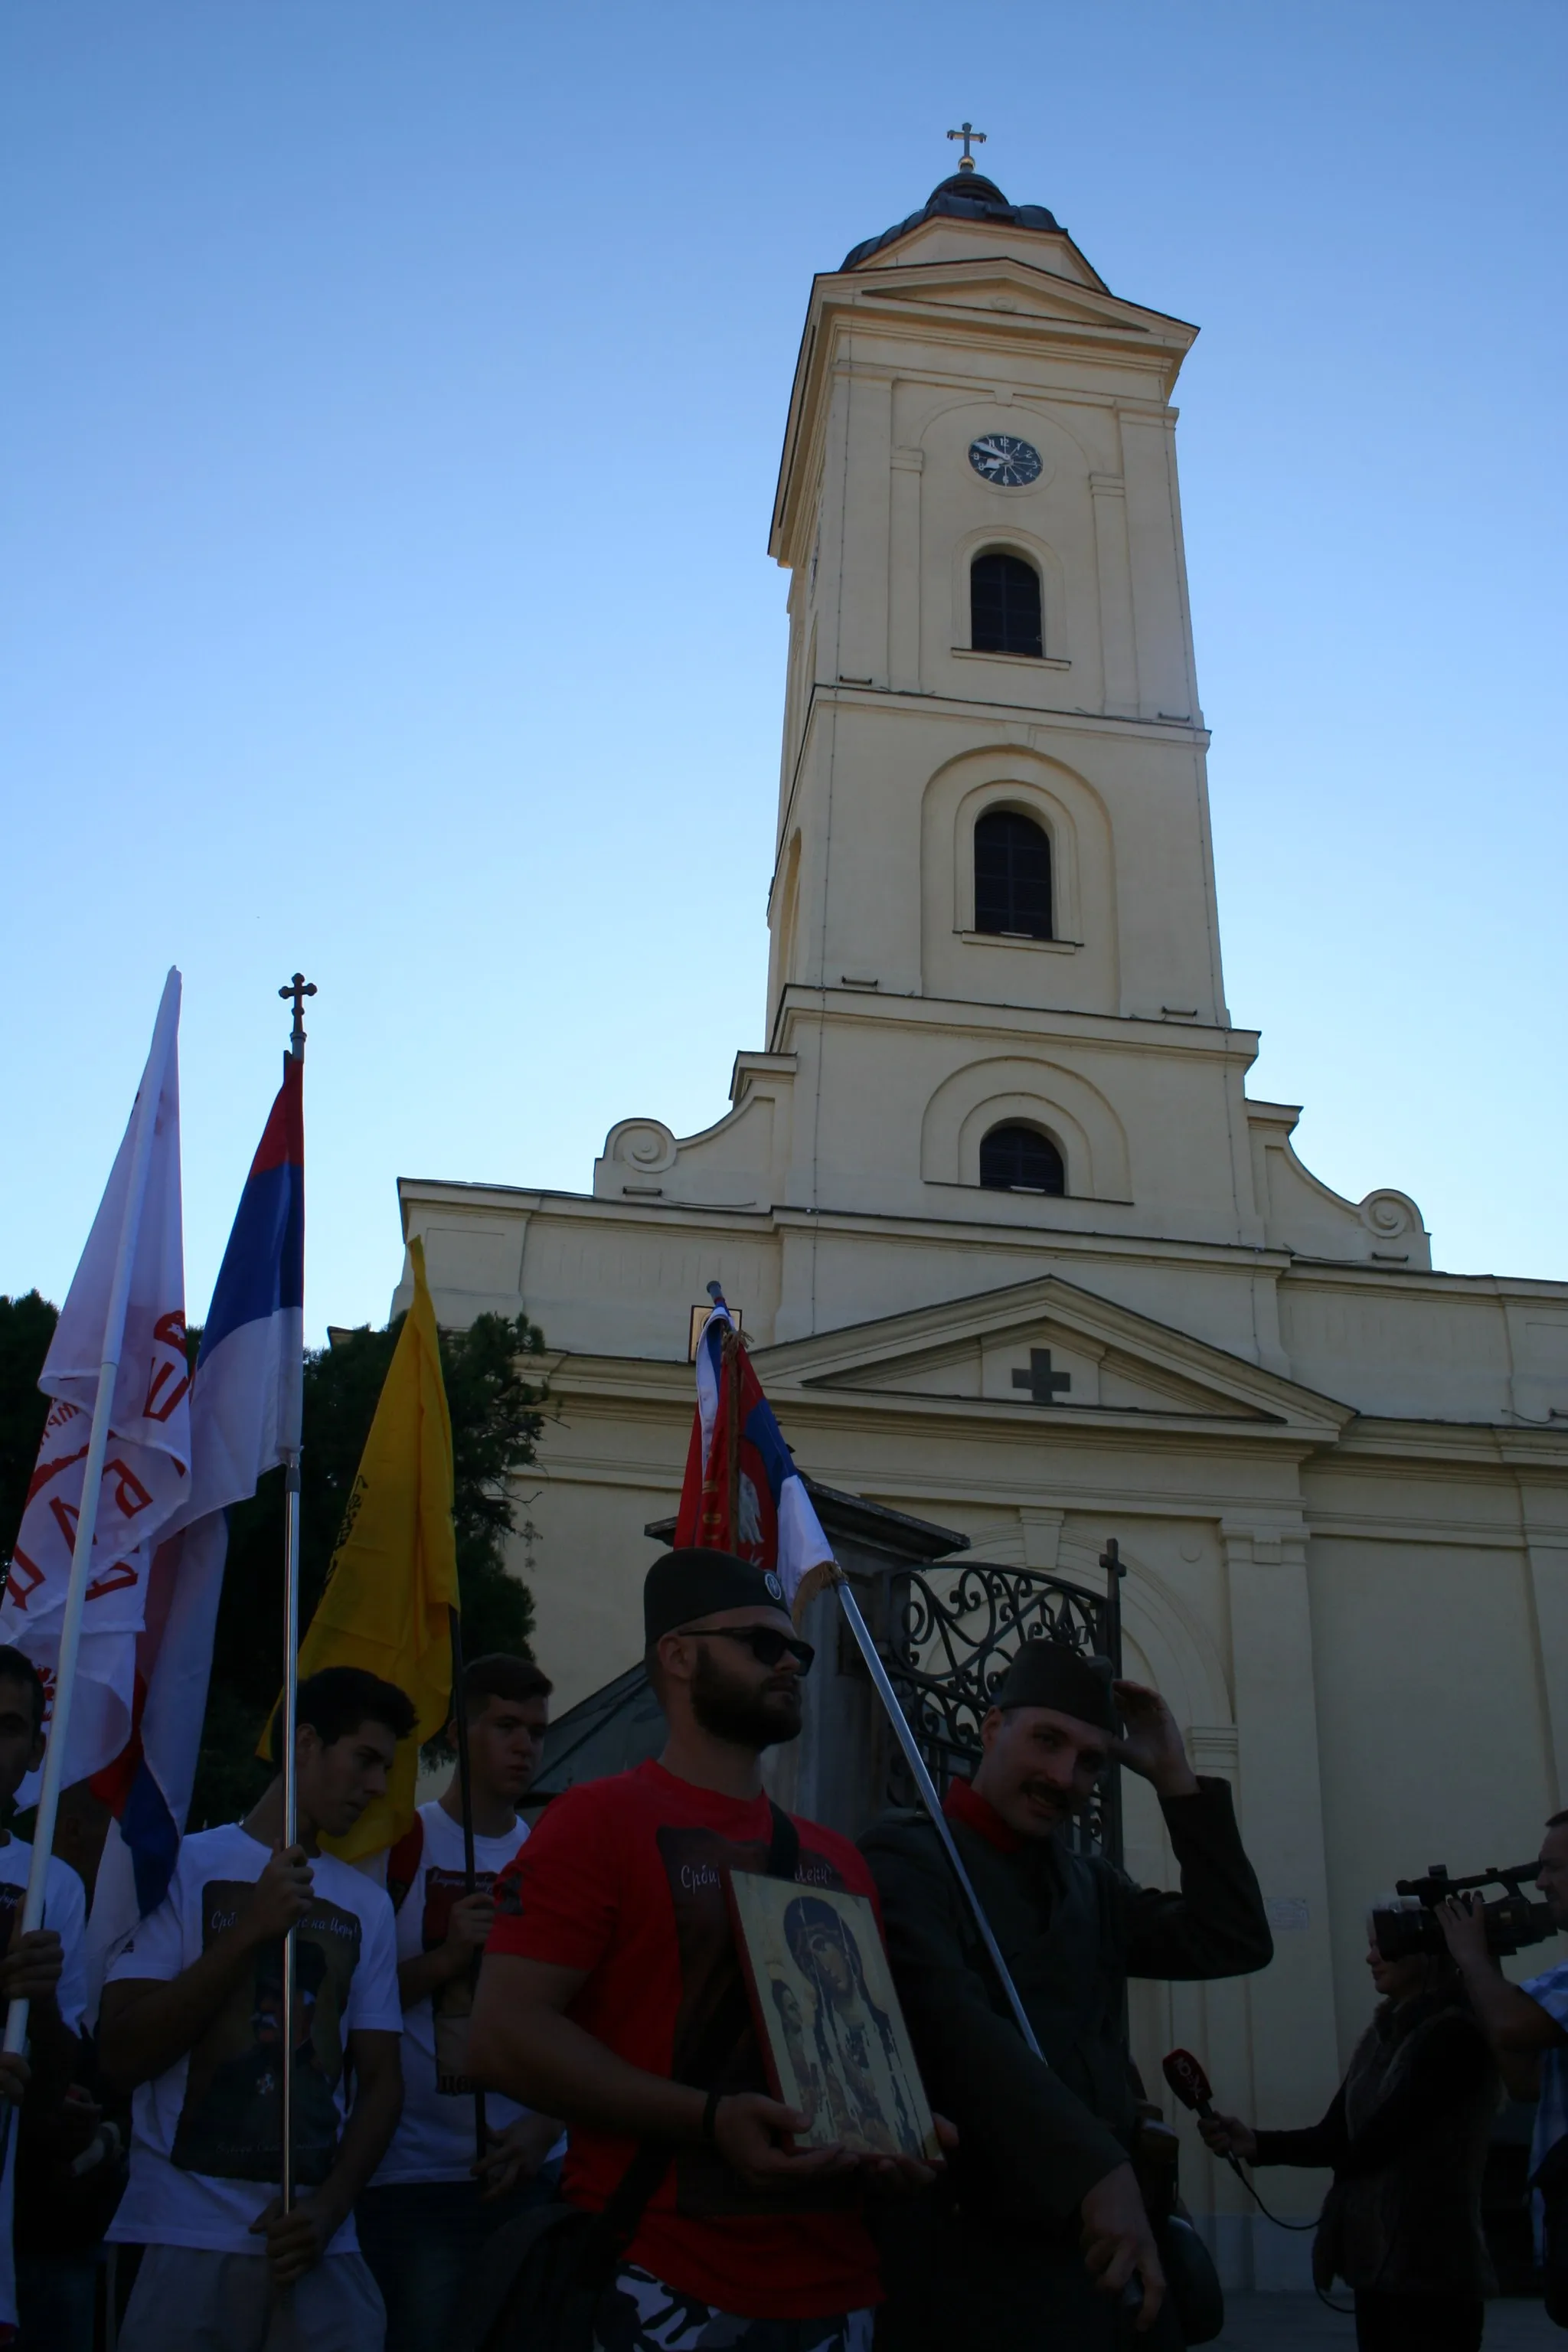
[1003, 459]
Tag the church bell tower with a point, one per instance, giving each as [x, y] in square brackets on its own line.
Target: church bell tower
[994, 903]
[995, 993]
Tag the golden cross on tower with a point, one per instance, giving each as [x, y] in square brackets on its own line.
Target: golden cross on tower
[967, 133]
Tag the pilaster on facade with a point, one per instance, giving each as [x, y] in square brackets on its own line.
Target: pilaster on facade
[1545, 1509]
[1292, 2004]
[904, 571]
[1108, 492]
[1041, 1532]
[1214, 1750]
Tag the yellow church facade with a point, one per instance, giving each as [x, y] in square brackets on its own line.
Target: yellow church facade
[1016, 1252]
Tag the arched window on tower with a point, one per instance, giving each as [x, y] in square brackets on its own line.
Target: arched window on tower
[1012, 876]
[1004, 607]
[1018, 1159]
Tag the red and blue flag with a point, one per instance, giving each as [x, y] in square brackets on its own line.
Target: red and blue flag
[776, 1525]
[245, 1418]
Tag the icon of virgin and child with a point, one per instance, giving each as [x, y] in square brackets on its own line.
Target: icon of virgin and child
[842, 2046]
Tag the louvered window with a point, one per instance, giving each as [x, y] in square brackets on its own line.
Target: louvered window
[1021, 1160]
[1012, 876]
[1004, 607]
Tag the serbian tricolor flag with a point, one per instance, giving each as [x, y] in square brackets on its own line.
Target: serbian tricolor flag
[245, 1417]
[737, 1451]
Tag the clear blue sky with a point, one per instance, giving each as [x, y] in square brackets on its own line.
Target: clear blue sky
[391, 395]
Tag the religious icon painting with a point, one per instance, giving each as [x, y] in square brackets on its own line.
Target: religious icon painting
[827, 2016]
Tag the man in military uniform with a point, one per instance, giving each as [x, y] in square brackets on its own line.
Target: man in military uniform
[1040, 2236]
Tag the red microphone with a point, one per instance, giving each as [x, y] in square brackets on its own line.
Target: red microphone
[1189, 2082]
[1191, 2086]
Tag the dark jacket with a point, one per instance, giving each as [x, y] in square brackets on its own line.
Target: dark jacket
[1406, 2140]
[1035, 2139]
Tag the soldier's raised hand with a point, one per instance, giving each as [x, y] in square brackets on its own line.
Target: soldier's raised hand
[1151, 1744]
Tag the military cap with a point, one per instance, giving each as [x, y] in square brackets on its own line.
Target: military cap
[684, 1585]
[1054, 1675]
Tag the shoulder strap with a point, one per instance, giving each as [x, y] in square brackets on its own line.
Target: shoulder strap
[784, 1846]
[618, 2220]
[402, 1864]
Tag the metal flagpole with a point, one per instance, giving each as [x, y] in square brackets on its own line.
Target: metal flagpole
[730, 1359]
[729, 1344]
[146, 1122]
[290, 1796]
[465, 1798]
[298, 988]
[933, 1802]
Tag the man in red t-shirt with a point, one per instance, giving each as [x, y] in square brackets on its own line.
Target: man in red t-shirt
[612, 1954]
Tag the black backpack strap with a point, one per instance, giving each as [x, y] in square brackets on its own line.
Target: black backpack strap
[783, 1847]
[615, 2225]
[616, 2222]
[402, 1864]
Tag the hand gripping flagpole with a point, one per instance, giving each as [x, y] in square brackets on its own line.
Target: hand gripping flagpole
[298, 988]
[146, 1122]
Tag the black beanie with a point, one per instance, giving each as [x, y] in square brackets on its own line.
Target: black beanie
[687, 1584]
[1054, 1675]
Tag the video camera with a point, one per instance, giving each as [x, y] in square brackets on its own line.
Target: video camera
[1408, 1928]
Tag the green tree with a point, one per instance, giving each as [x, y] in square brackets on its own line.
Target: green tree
[26, 1327]
[496, 1419]
[495, 1422]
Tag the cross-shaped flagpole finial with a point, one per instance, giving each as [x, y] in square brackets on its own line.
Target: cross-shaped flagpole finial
[967, 133]
[298, 988]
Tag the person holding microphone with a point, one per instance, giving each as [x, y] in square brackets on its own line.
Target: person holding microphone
[1406, 2138]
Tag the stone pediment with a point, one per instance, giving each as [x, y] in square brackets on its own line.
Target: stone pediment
[1047, 1346]
[1000, 291]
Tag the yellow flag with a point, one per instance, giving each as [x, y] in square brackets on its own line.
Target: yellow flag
[393, 1576]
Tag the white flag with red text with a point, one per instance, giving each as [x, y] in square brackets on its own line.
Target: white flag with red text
[146, 1469]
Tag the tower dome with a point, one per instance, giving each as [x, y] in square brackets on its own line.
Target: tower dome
[964, 195]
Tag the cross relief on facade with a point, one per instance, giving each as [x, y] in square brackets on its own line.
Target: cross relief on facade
[1042, 1383]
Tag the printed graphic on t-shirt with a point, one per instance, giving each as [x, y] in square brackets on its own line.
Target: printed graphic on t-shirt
[231, 2120]
[695, 1861]
[451, 2004]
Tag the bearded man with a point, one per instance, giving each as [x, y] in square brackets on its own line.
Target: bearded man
[611, 1995]
[1039, 2236]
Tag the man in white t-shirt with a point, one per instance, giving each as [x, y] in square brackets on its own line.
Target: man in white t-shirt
[191, 2021]
[433, 2201]
[45, 1968]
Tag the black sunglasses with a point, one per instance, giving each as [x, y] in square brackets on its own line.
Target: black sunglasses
[766, 1644]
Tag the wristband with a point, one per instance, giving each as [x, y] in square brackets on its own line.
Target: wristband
[711, 2117]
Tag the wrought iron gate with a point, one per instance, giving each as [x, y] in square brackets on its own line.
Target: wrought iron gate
[951, 1634]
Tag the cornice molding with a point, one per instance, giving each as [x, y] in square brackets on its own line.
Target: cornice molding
[1132, 1032]
[901, 303]
[841, 694]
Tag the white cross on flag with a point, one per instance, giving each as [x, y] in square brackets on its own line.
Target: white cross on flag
[146, 1469]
